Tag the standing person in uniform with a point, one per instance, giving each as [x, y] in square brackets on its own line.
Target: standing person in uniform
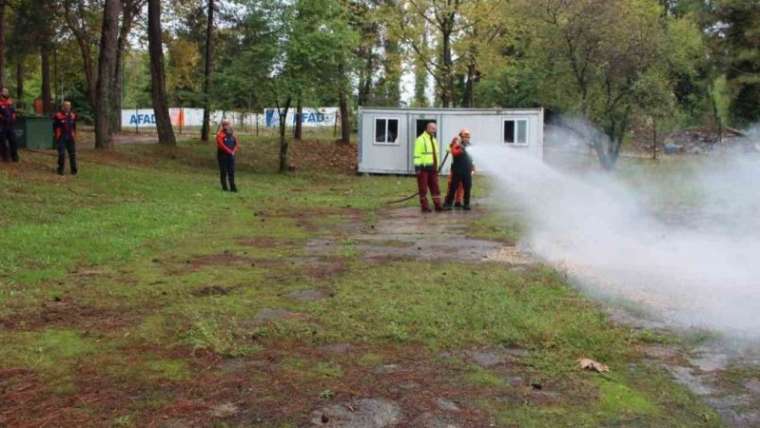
[426, 167]
[65, 132]
[227, 146]
[8, 127]
[461, 170]
[459, 193]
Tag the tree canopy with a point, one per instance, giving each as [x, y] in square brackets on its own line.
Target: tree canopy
[612, 62]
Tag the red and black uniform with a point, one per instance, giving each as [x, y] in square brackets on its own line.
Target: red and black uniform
[227, 146]
[459, 194]
[8, 130]
[461, 173]
[65, 132]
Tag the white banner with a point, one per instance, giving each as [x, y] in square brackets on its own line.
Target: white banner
[181, 117]
[312, 117]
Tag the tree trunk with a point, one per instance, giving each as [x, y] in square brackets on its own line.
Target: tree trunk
[117, 80]
[207, 72]
[47, 102]
[82, 38]
[468, 97]
[90, 78]
[157, 78]
[365, 80]
[106, 63]
[19, 79]
[283, 113]
[2, 42]
[447, 91]
[654, 139]
[345, 119]
[114, 125]
[298, 129]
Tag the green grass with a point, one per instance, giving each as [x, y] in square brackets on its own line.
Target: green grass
[152, 276]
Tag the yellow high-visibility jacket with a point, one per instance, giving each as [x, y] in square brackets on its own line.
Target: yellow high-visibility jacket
[426, 152]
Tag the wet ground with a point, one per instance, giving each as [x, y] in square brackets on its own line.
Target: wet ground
[404, 233]
[726, 378]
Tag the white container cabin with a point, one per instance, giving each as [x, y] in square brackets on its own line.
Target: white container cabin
[387, 135]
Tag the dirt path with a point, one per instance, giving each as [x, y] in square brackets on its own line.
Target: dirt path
[403, 233]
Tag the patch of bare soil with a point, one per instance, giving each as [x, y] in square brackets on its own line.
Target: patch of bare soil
[405, 233]
[264, 242]
[212, 290]
[226, 258]
[263, 388]
[66, 312]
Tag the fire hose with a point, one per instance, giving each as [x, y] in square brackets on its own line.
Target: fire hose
[398, 201]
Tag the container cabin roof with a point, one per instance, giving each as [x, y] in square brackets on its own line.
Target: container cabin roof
[497, 110]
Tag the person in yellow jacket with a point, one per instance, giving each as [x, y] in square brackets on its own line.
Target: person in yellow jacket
[426, 166]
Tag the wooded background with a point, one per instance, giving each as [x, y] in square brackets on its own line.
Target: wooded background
[616, 63]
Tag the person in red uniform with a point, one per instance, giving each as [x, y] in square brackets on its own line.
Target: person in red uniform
[464, 138]
[8, 148]
[65, 133]
[227, 146]
[461, 171]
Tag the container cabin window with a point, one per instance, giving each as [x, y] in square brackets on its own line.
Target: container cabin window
[386, 131]
[516, 132]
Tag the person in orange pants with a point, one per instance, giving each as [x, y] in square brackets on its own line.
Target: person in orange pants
[458, 194]
[462, 138]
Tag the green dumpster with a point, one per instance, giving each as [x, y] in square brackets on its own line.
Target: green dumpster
[34, 132]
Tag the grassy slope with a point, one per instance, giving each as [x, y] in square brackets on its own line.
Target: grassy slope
[140, 273]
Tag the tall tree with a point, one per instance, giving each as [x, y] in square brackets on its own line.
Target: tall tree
[322, 42]
[3, 4]
[209, 56]
[446, 21]
[420, 76]
[599, 53]
[47, 98]
[363, 18]
[131, 11]
[157, 76]
[81, 17]
[106, 65]
[19, 77]
[737, 34]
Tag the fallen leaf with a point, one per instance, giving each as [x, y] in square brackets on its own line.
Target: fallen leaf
[589, 364]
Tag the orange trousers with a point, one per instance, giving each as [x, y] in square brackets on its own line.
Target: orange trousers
[459, 195]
